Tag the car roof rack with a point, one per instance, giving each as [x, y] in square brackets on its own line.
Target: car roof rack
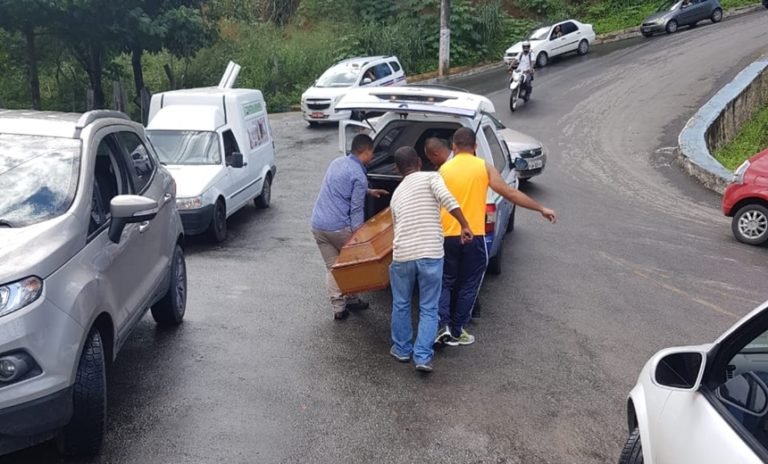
[92, 116]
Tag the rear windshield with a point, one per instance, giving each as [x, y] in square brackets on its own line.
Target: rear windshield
[38, 178]
[186, 147]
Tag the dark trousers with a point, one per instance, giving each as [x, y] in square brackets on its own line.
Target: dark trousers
[463, 272]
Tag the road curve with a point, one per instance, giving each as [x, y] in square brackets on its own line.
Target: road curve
[641, 259]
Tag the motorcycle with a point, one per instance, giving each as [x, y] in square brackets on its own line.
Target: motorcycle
[517, 82]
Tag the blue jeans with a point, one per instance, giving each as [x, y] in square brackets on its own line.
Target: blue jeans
[403, 277]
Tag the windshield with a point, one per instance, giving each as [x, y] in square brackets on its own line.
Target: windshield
[186, 147]
[540, 34]
[38, 178]
[339, 76]
[667, 6]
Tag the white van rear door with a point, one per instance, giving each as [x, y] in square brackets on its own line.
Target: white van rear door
[348, 130]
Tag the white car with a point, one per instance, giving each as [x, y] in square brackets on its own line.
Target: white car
[318, 103]
[557, 39]
[705, 404]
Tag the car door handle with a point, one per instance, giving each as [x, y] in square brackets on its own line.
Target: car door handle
[143, 227]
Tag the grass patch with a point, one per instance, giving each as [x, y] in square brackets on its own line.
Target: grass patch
[752, 139]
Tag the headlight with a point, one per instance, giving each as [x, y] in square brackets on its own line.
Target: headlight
[189, 203]
[738, 175]
[19, 294]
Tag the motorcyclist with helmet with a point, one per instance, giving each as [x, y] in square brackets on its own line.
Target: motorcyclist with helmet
[524, 64]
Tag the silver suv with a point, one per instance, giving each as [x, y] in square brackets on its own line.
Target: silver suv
[90, 238]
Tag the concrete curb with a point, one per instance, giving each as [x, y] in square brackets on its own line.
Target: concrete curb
[632, 32]
[693, 151]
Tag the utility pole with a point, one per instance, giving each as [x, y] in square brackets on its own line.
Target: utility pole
[445, 37]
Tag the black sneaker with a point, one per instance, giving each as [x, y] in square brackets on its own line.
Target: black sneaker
[341, 315]
[399, 357]
[424, 367]
[442, 336]
[357, 306]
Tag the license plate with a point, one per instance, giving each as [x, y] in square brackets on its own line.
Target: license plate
[535, 164]
[318, 115]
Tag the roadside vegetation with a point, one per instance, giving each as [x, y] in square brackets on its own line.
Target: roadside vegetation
[73, 54]
[752, 139]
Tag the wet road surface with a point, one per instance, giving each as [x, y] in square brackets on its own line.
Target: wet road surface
[641, 259]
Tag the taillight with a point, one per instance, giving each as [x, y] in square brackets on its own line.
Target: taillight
[490, 218]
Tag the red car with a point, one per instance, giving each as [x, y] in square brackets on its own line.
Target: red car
[746, 200]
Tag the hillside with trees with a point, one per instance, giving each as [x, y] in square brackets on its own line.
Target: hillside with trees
[70, 55]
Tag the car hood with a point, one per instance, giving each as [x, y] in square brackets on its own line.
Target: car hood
[325, 92]
[517, 141]
[658, 16]
[40, 249]
[518, 47]
[192, 181]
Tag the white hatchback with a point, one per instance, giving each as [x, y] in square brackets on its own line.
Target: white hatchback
[705, 404]
[318, 103]
[557, 39]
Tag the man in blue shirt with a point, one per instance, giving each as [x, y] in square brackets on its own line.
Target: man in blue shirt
[338, 213]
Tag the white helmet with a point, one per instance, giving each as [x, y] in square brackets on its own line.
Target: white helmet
[526, 45]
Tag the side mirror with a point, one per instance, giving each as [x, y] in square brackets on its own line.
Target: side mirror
[745, 392]
[367, 80]
[680, 370]
[129, 209]
[236, 160]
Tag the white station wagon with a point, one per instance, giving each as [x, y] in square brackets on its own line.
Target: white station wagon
[557, 39]
[318, 103]
[705, 404]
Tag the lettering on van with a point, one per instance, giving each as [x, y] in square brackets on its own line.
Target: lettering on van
[249, 109]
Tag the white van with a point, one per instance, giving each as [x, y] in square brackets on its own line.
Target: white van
[319, 101]
[217, 144]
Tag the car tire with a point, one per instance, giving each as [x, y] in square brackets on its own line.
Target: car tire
[717, 15]
[170, 310]
[265, 197]
[671, 27]
[511, 225]
[84, 434]
[750, 224]
[494, 264]
[542, 59]
[583, 47]
[633, 450]
[512, 102]
[217, 231]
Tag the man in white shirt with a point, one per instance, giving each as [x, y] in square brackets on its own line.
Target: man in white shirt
[525, 66]
[417, 256]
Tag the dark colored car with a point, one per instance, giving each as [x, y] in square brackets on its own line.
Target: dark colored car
[672, 14]
[746, 200]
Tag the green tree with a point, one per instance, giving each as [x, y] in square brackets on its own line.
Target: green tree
[26, 17]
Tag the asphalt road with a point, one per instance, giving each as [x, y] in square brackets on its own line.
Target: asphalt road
[641, 259]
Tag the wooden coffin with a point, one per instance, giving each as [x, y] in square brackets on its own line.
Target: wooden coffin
[363, 264]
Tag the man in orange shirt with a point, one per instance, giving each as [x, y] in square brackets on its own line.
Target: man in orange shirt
[468, 179]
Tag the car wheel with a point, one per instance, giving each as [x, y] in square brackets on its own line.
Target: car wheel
[494, 264]
[750, 224]
[265, 197]
[633, 450]
[84, 434]
[511, 225]
[217, 231]
[542, 59]
[169, 311]
[671, 27]
[583, 47]
[717, 15]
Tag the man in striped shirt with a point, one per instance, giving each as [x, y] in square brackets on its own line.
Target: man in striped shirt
[418, 256]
